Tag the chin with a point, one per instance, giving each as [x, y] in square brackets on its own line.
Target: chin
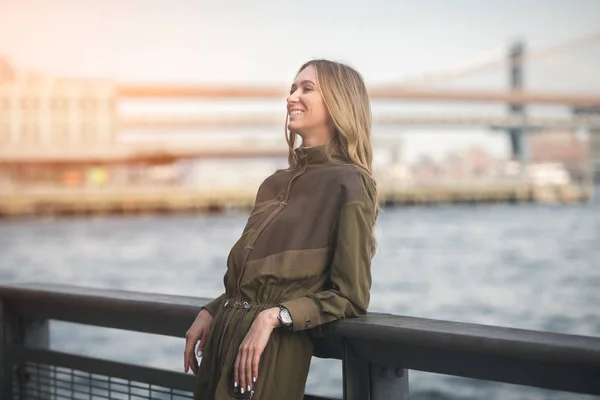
[294, 128]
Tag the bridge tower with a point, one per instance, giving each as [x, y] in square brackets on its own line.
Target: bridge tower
[518, 140]
[593, 141]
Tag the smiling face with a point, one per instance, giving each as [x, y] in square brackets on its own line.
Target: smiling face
[307, 112]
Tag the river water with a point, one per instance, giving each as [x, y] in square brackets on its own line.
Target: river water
[523, 266]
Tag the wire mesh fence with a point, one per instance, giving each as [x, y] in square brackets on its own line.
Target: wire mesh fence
[49, 375]
[50, 382]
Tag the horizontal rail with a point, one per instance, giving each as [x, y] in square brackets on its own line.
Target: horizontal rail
[194, 122]
[387, 92]
[135, 311]
[540, 359]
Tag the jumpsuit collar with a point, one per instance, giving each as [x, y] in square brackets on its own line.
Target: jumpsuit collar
[319, 155]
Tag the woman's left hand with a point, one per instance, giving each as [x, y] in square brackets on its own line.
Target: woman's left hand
[245, 371]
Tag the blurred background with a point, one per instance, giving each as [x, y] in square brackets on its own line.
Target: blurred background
[134, 134]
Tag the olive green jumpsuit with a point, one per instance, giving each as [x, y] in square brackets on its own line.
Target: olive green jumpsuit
[307, 245]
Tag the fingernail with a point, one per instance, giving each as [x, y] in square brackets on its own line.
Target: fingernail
[254, 379]
[234, 384]
[249, 388]
[242, 390]
[199, 354]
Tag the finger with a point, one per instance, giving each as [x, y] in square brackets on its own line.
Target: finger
[203, 339]
[190, 343]
[186, 357]
[249, 362]
[255, 363]
[236, 375]
[188, 354]
[189, 362]
[242, 371]
[194, 365]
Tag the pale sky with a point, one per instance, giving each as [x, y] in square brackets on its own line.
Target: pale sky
[265, 41]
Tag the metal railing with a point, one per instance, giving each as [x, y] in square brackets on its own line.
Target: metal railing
[376, 351]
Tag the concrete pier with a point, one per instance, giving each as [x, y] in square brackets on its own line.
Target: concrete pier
[172, 199]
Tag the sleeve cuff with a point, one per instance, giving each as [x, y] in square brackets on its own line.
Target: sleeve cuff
[305, 313]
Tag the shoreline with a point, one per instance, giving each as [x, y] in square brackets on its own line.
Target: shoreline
[51, 202]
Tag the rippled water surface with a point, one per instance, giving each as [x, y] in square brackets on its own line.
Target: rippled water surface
[524, 266]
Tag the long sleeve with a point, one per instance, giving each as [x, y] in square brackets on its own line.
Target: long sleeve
[350, 273]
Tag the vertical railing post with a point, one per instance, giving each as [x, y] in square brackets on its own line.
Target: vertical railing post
[389, 383]
[366, 381]
[8, 332]
[355, 372]
[17, 330]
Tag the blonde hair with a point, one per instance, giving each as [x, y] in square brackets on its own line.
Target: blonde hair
[345, 95]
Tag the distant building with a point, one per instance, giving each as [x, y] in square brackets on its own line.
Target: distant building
[468, 163]
[594, 146]
[38, 113]
[593, 141]
[426, 170]
[560, 147]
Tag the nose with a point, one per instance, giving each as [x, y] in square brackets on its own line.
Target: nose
[292, 98]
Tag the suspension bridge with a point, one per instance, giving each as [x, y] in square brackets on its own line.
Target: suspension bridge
[584, 109]
[85, 133]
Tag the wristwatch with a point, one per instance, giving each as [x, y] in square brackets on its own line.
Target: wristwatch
[285, 318]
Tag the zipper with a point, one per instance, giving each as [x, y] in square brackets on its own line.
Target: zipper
[250, 244]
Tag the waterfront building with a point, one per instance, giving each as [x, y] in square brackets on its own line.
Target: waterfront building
[40, 115]
[562, 147]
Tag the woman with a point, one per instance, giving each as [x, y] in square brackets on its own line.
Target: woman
[304, 257]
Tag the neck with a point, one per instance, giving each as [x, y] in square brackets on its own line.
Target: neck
[316, 140]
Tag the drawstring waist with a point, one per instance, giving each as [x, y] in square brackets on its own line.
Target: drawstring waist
[247, 305]
[230, 321]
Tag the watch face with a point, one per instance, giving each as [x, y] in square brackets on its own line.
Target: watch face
[286, 318]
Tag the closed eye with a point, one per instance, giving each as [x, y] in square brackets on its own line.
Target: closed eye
[304, 89]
